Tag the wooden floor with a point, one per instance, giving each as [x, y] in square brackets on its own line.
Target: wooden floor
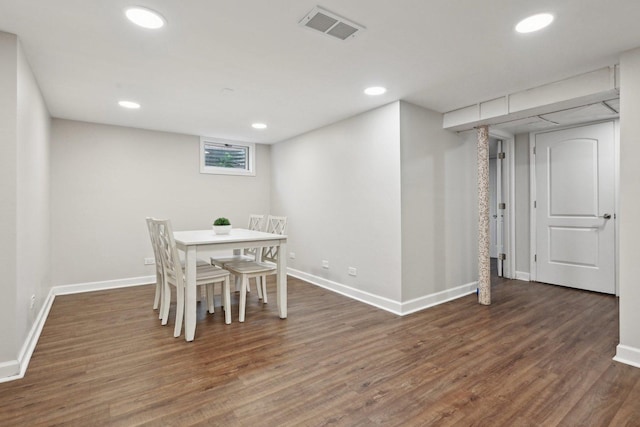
[540, 355]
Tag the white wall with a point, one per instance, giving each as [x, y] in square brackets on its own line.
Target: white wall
[340, 188]
[629, 348]
[388, 192]
[33, 207]
[439, 205]
[24, 211]
[8, 207]
[107, 179]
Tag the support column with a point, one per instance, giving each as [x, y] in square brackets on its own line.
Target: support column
[484, 262]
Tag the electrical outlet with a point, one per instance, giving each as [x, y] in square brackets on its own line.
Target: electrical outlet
[353, 271]
[33, 302]
[325, 263]
[149, 261]
[292, 255]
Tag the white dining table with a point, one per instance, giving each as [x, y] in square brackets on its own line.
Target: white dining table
[192, 241]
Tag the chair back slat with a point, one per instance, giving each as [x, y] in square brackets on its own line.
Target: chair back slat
[255, 223]
[153, 234]
[169, 252]
[275, 225]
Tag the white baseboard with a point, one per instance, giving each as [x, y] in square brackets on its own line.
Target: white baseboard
[24, 357]
[362, 296]
[387, 304]
[15, 369]
[9, 370]
[438, 298]
[627, 355]
[103, 285]
[521, 275]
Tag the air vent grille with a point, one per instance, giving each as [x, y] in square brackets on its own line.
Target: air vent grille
[330, 24]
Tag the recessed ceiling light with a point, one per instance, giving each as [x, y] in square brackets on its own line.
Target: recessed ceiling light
[129, 104]
[259, 126]
[534, 23]
[375, 90]
[144, 17]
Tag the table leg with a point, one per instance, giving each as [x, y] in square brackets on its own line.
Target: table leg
[190, 294]
[281, 287]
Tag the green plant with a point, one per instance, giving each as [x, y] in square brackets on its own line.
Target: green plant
[222, 221]
[226, 161]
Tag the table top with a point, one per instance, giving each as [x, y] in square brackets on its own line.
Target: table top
[203, 237]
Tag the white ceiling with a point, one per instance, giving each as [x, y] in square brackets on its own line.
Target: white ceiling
[440, 54]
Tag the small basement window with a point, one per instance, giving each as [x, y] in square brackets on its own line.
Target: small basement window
[227, 157]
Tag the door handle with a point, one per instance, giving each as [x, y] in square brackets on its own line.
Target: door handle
[606, 216]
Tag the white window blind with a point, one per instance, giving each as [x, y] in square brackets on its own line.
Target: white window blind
[226, 157]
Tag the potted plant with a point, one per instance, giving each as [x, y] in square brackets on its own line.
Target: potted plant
[221, 226]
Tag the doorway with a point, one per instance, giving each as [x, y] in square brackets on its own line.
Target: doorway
[501, 208]
[573, 207]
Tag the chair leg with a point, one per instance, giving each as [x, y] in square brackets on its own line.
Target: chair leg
[243, 297]
[179, 311]
[263, 283]
[159, 295]
[156, 298]
[211, 297]
[203, 295]
[259, 287]
[166, 303]
[226, 292]
[161, 298]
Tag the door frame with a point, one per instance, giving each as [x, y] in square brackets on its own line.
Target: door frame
[508, 192]
[533, 244]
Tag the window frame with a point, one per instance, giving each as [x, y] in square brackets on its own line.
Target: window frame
[249, 170]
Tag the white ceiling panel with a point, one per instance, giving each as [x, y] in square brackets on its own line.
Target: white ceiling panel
[588, 113]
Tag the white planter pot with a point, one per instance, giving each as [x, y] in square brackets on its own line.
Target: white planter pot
[221, 229]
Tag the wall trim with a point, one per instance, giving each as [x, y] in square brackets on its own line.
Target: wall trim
[362, 296]
[103, 285]
[24, 357]
[438, 298]
[8, 369]
[395, 307]
[627, 355]
[523, 275]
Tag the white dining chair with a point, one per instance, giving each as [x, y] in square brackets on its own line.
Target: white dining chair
[266, 266]
[174, 275]
[153, 234]
[247, 254]
[158, 264]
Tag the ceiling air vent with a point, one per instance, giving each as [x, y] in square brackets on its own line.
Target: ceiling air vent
[331, 24]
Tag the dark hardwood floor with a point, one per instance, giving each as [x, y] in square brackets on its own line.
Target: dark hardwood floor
[540, 355]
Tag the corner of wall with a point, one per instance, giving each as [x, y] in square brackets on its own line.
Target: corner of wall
[437, 209]
[627, 355]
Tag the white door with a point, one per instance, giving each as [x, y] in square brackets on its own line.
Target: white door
[575, 239]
